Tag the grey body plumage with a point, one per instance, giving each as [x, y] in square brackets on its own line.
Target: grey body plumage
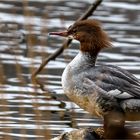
[108, 87]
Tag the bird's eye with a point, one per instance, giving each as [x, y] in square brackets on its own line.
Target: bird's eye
[74, 30]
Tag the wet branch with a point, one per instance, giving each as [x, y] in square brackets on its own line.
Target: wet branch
[66, 43]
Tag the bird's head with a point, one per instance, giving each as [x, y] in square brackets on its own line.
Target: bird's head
[89, 33]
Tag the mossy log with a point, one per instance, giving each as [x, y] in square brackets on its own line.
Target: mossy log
[92, 134]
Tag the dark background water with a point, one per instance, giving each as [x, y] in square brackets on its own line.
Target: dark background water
[25, 111]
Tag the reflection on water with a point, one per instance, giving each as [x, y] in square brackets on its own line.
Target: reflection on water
[25, 111]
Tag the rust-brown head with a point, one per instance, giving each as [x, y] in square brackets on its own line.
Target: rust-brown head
[89, 33]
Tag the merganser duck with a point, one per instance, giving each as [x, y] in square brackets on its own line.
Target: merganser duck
[107, 91]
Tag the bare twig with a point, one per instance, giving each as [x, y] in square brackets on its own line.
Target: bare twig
[66, 43]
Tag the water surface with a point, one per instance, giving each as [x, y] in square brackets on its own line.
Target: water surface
[25, 111]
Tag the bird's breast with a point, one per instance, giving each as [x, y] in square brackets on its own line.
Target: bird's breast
[73, 90]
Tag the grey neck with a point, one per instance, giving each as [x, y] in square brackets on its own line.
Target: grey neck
[83, 60]
[89, 57]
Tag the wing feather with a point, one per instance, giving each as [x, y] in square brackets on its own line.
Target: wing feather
[112, 78]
